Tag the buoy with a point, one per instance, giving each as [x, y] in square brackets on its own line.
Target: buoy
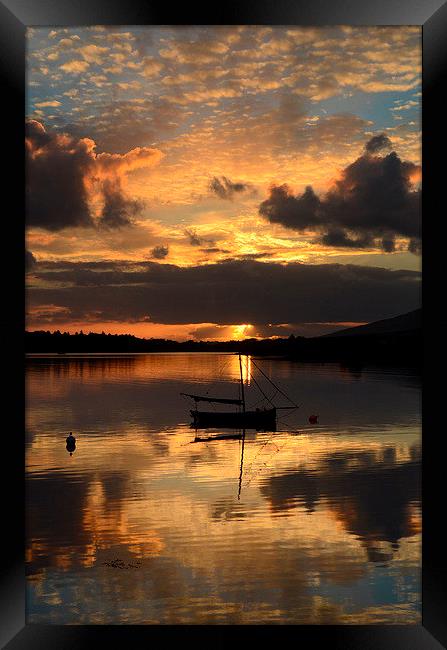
[313, 419]
[71, 443]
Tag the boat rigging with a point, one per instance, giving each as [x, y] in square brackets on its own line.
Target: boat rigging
[261, 419]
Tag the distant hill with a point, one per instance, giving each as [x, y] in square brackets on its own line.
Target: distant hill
[405, 323]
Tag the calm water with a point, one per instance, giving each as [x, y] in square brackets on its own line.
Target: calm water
[143, 525]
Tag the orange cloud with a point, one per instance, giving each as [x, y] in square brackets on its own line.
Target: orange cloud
[75, 66]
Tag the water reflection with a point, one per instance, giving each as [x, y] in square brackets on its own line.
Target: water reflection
[141, 526]
[372, 495]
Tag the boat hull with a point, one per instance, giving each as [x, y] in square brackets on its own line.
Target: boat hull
[261, 420]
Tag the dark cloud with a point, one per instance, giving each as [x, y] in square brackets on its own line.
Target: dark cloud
[56, 167]
[375, 195]
[30, 261]
[282, 330]
[252, 256]
[118, 210]
[160, 252]
[369, 206]
[214, 250]
[65, 174]
[377, 143]
[195, 239]
[295, 212]
[338, 237]
[229, 292]
[224, 188]
[210, 332]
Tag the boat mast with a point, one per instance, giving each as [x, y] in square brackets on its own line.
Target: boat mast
[242, 384]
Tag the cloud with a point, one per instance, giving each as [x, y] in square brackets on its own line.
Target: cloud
[338, 237]
[224, 188]
[377, 143]
[195, 239]
[252, 256]
[65, 175]
[56, 192]
[234, 291]
[138, 158]
[295, 212]
[160, 252]
[406, 107]
[30, 261]
[204, 64]
[150, 67]
[52, 104]
[204, 50]
[373, 202]
[75, 67]
[123, 123]
[213, 249]
[93, 53]
[118, 209]
[212, 332]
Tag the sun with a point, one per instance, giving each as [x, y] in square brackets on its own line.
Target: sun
[241, 331]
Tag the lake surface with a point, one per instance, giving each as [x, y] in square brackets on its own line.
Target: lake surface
[319, 523]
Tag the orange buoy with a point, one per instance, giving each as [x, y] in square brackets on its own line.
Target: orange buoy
[313, 419]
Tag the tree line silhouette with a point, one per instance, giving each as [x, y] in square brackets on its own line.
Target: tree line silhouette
[404, 348]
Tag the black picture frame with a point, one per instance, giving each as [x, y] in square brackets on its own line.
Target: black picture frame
[15, 16]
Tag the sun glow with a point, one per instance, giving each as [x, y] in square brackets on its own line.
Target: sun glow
[241, 331]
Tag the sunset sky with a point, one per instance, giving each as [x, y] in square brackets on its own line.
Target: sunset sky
[222, 182]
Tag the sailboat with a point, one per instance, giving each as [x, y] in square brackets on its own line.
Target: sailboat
[261, 419]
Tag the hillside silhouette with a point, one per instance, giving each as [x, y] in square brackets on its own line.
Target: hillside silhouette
[409, 322]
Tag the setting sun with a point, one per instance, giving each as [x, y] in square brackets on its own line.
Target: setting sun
[241, 331]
